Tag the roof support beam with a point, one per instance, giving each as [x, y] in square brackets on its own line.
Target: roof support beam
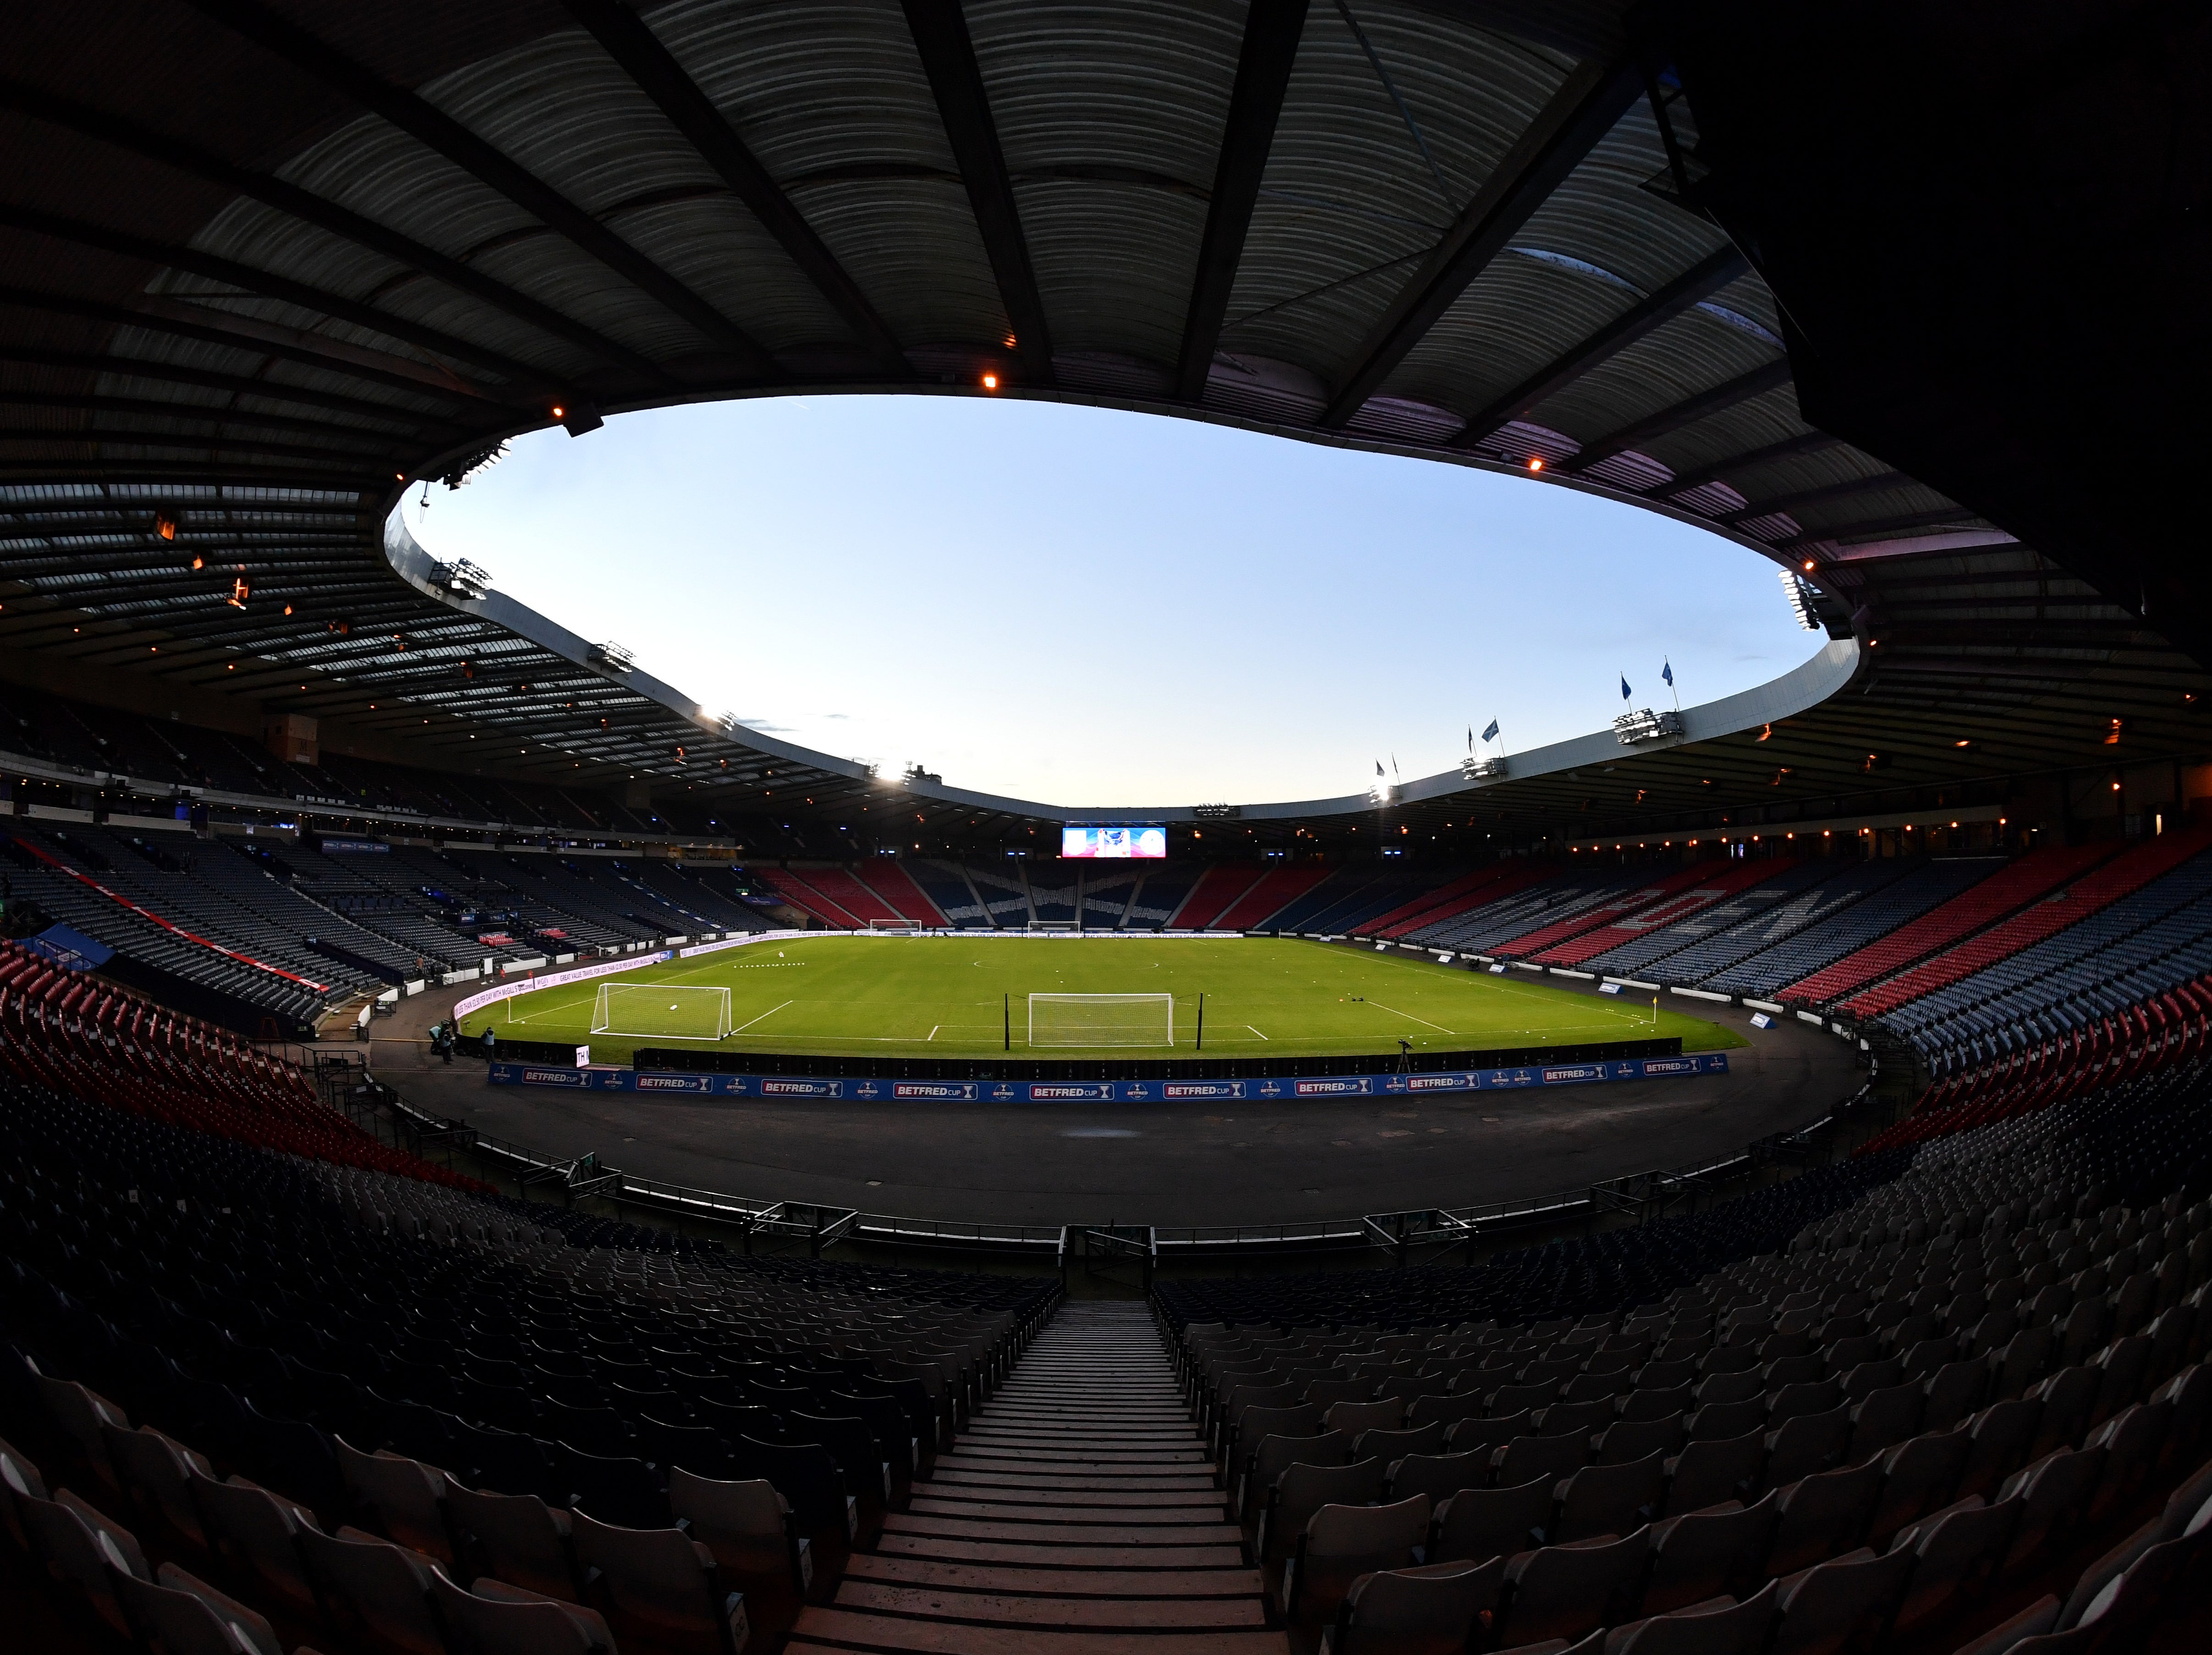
[626, 38]
[1806, 442]
[1830, 536]
[198, 413]
[162, 315]
[1700, 281]
[311, 208]
[1820, 496]
[238, 384]
[940, 28]
[1581, 113]
[435, 129]
[245, 277]
[1271, 28]
[1688, 412]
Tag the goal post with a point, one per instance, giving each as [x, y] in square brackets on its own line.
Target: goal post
[1055, 925]
[1102, 1019]
[661, 1011]
[895, 927]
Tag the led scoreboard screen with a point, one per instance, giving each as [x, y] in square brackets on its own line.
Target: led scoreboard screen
[1113, 841]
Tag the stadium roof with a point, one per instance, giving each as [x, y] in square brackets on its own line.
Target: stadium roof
[265, 266]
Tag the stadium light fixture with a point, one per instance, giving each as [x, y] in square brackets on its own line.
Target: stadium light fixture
[990, 381]
[1535, 462]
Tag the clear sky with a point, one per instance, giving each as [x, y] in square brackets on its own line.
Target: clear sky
[1083, 606]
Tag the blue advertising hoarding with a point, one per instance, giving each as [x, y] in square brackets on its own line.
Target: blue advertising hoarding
[505, 1073]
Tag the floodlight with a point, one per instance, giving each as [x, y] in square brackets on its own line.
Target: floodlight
[1535, 462]
[990, 381]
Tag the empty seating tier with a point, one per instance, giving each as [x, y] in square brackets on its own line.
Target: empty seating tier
[2008, 887]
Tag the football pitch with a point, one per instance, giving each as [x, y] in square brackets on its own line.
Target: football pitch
[956, 997]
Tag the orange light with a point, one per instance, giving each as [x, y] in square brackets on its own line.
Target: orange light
[288, 608]
[164, 525]
[990, 381]
[560, 413]
[1535, 462]
[1808, 565]
[199, 562]
[1962, 744]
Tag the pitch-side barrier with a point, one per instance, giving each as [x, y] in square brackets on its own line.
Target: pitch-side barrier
[508, 1073]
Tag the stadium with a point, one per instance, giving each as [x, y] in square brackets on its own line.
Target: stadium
[1737, 1179]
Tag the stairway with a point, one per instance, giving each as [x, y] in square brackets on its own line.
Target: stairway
[1076, 1515]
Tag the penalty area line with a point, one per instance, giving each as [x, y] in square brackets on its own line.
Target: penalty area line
[1255, 1031]
[1410, 1018]
[763, 1017]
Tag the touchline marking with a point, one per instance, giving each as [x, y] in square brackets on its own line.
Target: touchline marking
[764, 1017]
[1410, 1018]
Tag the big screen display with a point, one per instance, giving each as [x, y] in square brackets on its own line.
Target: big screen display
[1113, 841]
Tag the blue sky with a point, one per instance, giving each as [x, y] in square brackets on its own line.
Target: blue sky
[1090, 607]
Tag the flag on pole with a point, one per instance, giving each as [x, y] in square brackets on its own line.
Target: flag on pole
[1668, 673]
[1378, 767]
[1470, 737]
[1624, 687]
[1490, 731]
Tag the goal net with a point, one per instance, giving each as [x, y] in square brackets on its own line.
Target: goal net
[1055, 925]
[896, 927]
[1102, 1019]
[662, 1011]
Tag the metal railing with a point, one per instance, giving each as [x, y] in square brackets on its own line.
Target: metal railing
[1640, 1197]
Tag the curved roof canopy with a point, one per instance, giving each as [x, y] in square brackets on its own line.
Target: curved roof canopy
[265, 265]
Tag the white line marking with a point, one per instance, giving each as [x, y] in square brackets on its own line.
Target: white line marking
[933, 1028]
[1410, 1018]
[769, 1013]
[1255, 1031]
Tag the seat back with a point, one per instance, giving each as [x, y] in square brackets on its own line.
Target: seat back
[517, 1537]
[1823, 1517]
[377, 1585]
[656, 1575]
[1439, 1475]
[1432, 1609]
[1846, 1602]
[1736, 1629]
[254, 1531]
[1610, 1499]
[484, 1626]
[1304, 1489]
[1565, 1591]
[404, 1496]
[1706, 1554]
[1365, 1530]
[150, 1470]
[1476, 1524]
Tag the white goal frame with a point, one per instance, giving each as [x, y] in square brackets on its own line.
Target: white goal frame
[895, 927]
[1129, 1029]
[1055, 925]
[604, 1013]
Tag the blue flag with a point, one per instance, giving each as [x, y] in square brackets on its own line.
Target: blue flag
[1623, 689]
[1489, 733]
[1378, 767]
[1668, 673]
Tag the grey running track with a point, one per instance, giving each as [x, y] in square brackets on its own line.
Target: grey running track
[1078, 1514]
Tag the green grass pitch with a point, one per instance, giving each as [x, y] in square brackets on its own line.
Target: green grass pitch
[943, 997]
